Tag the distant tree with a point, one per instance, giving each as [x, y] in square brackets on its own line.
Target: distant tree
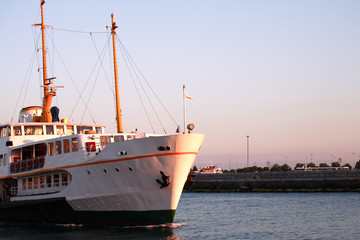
[339, 161]
[299, 165]
[323, 165]
[335, 164]
[276, 167]
[311, 165]
[194, 168]
[357, 165]
[347, 165]
[265, 169]
[285, 167]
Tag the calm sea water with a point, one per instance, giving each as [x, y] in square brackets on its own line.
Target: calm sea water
[227, 216]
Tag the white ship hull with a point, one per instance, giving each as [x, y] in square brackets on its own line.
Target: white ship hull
[115, 187]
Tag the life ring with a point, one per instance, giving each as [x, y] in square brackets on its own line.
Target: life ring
[22, 165]
[89, 132]
[41, 161]
[17, 166]
[6, 186]
[36, 162]
[12, 167]
[29, 163]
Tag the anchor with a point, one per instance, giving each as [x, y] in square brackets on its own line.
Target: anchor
[165, 180]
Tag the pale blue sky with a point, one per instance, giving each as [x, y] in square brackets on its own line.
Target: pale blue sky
[284, 72]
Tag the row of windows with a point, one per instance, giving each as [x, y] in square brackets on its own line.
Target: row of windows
[66, 143]
[46, 181]
[47, 130]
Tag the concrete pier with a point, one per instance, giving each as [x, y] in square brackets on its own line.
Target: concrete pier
[272, 181]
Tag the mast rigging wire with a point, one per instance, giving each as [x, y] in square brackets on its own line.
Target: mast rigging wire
[143, 77]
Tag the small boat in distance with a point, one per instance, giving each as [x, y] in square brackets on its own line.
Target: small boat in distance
[211, 169]
[56, 171]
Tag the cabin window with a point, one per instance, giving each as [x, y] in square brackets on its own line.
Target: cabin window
[9, 131]
[27, 152]
[56, 180]
[98, 130]
[5, 159]
[36, 182]
[2, 132]
[38, 130]
[24, 184]
[50, 130]
[74, 144]
[66, 146]
[104, 140]
[58, 147]
[29, 183]
[42, 181]
[79, 129]
[51, 148]
[29, 130]
[59, 130]
[129, 137]
[40, 149]
[17, 131]
[118, 138]
[1, 160]
[64, 179]
[48, 181]
[91, 146]
[69, 130]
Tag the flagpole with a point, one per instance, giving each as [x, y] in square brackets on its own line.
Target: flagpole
[184, 107]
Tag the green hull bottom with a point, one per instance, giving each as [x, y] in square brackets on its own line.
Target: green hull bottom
[59, 211]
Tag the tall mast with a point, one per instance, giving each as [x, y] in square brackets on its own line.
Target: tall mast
[118, 109]
[49, 92]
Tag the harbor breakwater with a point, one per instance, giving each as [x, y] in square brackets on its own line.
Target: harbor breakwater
[347, 180]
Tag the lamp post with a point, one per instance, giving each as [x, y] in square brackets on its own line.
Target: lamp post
[247, 137]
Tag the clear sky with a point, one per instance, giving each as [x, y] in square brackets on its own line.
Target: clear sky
[286, 73]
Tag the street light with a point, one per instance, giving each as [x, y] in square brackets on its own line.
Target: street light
[247, 137]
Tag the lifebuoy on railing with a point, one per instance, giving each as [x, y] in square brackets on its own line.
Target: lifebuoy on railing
[22, 165]
[41, 161]
[29, 164]
[17, 166]
[12, 167]
[36, 162]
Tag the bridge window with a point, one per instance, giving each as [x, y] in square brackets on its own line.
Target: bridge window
[60, 130]
[17, 130]
[50, 130]
[104, 140]
[69, 130]
[118, 138]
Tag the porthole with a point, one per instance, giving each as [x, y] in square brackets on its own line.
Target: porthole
[117, 169]
[130, 168]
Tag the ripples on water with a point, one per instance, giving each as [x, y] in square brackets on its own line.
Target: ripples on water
[226, 216]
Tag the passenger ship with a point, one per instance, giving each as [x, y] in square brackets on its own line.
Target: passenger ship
[60, 172]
